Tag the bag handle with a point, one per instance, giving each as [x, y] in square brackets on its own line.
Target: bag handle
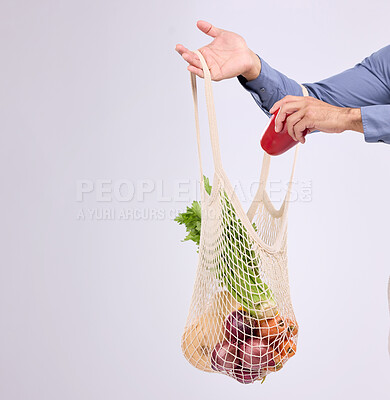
[213, 129]
[211, 115]
[267, 158]
[265, 172]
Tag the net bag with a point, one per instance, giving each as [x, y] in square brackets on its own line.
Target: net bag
[241, 321]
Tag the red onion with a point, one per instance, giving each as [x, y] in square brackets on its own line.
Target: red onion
[238, 326]
[255, 354]
[224, 357]
[246, 376]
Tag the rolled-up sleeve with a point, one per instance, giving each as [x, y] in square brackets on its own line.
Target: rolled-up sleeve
[376, 123]
[365, 86]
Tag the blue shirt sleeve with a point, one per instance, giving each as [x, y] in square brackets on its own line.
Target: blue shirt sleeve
[270, 86]
[365, 86]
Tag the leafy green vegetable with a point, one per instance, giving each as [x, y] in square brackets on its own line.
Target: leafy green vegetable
[242, 278]
[191, 218]
[207, 185]
[238, 267]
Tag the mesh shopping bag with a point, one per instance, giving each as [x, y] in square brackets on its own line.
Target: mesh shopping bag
[241, 321]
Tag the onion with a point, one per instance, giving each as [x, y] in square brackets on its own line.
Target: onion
[224, 357]
[255, 354]
[246, 376]
[238, 326]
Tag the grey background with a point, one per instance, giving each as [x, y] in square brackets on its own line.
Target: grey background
[93, 90]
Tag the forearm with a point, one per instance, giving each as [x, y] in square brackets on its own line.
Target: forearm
[351, 119]
[361, 92]
[363, 113]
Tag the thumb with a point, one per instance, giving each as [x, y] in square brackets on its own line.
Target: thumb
[208, 29]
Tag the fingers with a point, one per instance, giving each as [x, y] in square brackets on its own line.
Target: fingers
[286, 99]
[300, 129]
[196, 71]
[188, 56]
[297, 113]
[285, 109]
[275, 107]
[208, 29]
[192, 59]
[181, 49]
[291, 121]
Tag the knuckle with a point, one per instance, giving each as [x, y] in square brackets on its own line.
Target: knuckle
[309, 112]
[308, 100]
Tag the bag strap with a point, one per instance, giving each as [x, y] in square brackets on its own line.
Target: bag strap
[213, 129]
[211, 115]
[267, 157]
[265, 172]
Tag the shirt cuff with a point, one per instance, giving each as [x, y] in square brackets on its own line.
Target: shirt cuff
[270, 86]
[376, 123]
[262, 87]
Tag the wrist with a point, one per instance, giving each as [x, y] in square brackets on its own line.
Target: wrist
[352, 120]
[254, 69]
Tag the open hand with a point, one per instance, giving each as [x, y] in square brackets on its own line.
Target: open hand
[227, 56]
[307, 113]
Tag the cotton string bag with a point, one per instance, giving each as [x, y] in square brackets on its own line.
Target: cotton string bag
[241, 321]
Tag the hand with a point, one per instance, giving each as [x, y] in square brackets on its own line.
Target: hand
[227, 56]
[307, 113]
